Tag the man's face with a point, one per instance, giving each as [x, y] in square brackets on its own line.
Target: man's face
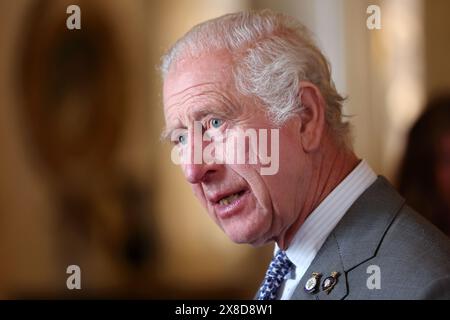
[250, 207]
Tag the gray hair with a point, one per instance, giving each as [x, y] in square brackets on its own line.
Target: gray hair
[272, 53]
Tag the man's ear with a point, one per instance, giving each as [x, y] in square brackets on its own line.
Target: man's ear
[312, 116]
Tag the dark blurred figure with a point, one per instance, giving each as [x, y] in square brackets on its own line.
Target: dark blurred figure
[424, 177]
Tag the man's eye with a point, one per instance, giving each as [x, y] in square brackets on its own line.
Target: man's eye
[215, 123]
[182, 139]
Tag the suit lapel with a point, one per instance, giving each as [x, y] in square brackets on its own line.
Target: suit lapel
[326, 261]
[354, 240]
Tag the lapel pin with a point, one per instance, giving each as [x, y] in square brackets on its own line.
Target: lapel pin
[329, 282]
[311, 284]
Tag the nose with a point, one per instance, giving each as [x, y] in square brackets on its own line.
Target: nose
[199, 169]
[197, 173]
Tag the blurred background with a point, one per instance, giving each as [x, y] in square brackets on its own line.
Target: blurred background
[85, 180]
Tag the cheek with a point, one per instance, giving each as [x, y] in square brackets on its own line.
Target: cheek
[200, 195]
[285, 192]
[287, 185]
[257, 184]
[198, 192]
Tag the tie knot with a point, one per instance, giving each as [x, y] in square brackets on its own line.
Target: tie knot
[279, 267]
[281, 260]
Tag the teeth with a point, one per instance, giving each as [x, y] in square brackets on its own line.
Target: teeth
[226, 201]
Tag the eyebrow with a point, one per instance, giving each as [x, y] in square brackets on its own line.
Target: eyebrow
[166, 134]
[201, 113]
[211, 110]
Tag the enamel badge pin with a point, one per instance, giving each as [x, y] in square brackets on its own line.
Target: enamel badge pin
[329, 282]
[312, 283]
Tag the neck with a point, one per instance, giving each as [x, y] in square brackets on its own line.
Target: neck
[329, 166]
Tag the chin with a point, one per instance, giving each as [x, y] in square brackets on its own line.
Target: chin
[252, 237]
[249, 227]
[241, 239]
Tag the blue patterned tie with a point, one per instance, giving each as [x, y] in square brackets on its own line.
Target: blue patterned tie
[279, 267]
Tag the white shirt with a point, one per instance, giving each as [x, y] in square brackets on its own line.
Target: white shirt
[319, 224]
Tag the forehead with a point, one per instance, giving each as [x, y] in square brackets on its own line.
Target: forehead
[203, 77]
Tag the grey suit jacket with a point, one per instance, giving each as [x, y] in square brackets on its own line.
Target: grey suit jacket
[381, 233]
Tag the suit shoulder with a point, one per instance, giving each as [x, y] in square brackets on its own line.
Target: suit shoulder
[417, 245]
[413, 259]
[412, 232]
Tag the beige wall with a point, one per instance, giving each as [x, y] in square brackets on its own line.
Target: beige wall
[25, 243]
[30, 257]
[437, 40]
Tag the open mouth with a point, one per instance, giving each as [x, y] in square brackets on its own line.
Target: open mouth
[230, 204]
[231, 198]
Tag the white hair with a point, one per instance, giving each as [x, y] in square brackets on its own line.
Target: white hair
[272, 53]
